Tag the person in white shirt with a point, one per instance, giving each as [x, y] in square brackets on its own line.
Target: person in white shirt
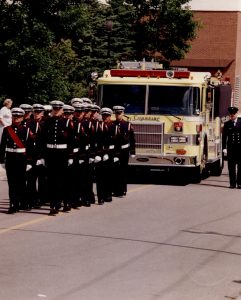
[5, 115]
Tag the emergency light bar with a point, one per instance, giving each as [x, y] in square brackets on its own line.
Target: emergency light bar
[149, 73]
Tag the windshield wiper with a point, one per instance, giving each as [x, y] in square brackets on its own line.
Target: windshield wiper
[175, 116]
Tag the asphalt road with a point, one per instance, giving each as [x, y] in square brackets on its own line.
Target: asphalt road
[162, 241]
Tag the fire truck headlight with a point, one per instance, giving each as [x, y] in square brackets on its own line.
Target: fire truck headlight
[179, 161]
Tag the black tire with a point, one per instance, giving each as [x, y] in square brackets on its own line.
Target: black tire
[196, 175]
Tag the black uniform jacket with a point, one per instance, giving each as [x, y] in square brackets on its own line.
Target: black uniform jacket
[126, 135]
[23, 134]
[231, 137]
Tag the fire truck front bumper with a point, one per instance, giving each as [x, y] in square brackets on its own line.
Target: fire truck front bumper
[163, 162]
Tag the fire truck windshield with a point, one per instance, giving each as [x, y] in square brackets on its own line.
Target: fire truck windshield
[161, 100]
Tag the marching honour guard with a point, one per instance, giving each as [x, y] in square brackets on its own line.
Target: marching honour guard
[14, 155]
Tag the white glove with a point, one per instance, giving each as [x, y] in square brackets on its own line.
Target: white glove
[28, 167]
[81, 161]
[40, 162]
[3, 166]
[133, 155]
[97, 159]
[105, 157]
[70, 162]
[116, 159]
[91, 160]
[225, 152]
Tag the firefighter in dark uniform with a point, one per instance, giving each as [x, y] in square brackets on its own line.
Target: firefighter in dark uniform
[14, 154]
[68, 113]
[126, 145]
[36, 175]
[89, 130]
[81, 180]
[28, 109]
[231, 143]
[104, 167]
[57, 148]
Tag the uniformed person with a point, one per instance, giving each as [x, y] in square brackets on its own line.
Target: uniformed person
[89, 131]
[28, 109]
[57, 146]
[126, 147]
[104, 168]
[68, 111]
[36, 175]
[81, 180]
[231, 143]
[47, 111]
[14, 154]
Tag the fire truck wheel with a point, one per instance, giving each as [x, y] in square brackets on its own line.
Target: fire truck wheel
[196, 175]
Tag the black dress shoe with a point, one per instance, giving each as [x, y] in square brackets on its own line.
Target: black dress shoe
[53, 212]
[11, 210]
[66, 208]
[118, 195]
[101, 201]
[232, 186]
[109, 199]
[239, 186]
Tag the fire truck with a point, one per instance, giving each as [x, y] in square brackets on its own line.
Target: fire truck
[176, 115]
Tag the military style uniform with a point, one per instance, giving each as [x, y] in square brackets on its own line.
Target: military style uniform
[36, 176]
[104, 168]
[89, 131]
[231, 140]
[27, 113]
[57, 149]
[126, 147]
[14, 153]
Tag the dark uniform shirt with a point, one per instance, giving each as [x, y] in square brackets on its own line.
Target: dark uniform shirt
[231, 138]
[126, 135]
[8, 144]
[57, 133]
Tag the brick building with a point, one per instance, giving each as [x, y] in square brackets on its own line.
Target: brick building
[218, 43]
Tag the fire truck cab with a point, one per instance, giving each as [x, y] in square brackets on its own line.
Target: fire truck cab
[176, 116]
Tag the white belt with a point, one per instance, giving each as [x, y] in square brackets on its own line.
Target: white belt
[75, 150]
[59, 146]
[16, 150]
[125, 146]
[112, 147]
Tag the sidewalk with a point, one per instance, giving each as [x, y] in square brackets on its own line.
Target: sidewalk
[2, 173]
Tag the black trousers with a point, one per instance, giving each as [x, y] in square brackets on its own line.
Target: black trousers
[36, 185]
[234, 169]
[104, 180]
[120, 171]
[234, 165]
[57, 172]
[16, 175]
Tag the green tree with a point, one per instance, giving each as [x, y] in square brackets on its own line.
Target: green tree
[38, 54]
[48, 48]
[163, 27]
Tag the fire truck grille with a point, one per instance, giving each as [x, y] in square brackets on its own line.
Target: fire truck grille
[149, 136]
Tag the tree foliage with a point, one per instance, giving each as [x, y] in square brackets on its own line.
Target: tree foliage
[48, 48]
